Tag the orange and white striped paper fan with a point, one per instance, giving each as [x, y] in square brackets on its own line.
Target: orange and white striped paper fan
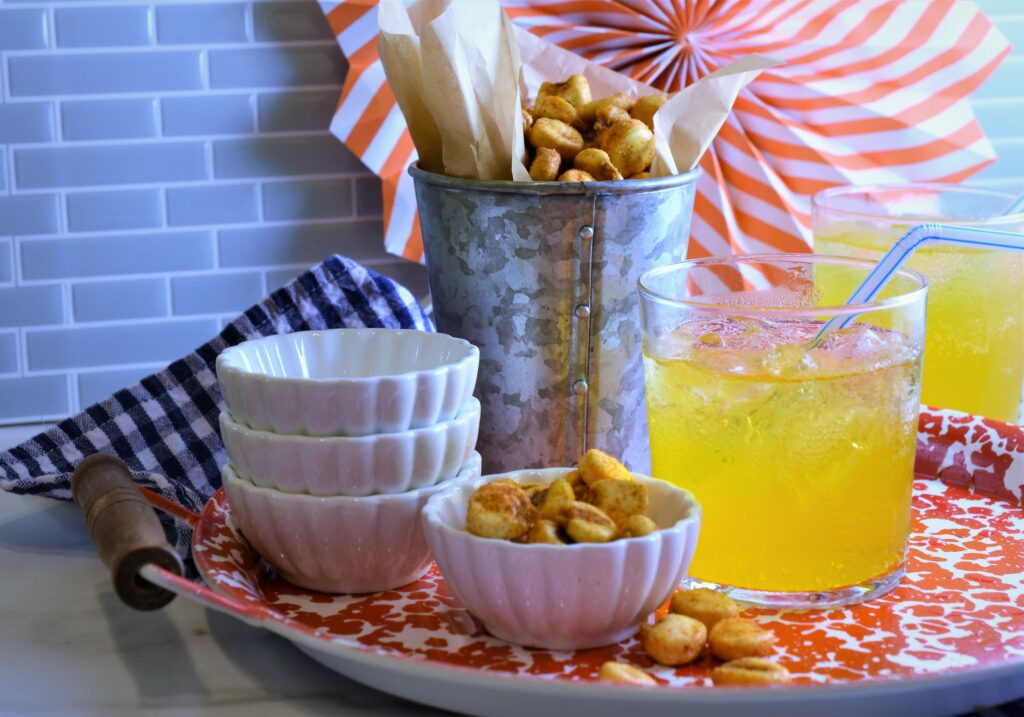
[872, 91]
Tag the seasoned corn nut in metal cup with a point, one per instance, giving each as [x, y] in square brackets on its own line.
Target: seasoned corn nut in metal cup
[562, 597]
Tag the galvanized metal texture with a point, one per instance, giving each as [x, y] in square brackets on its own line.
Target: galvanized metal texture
[541, 276]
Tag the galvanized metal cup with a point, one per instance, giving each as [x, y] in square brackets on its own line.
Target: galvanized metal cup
[541, 276]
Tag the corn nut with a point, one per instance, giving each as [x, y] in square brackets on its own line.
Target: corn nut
[708, 606]
[736, 637]
[620, 673]
[575, 175]
[576, 90]
[499, 510]
[645, 107]
[545, 165]
[750, 671]
[673, 640]
[630, 146]
[596, 163]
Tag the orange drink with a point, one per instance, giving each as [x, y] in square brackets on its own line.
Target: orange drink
[974, 354]
[800, 454]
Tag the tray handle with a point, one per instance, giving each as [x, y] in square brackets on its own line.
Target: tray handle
[124, 529]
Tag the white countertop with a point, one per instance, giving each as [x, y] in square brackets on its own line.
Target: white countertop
[69, 647]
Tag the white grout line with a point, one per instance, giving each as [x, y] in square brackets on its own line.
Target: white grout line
[22, 352]
[260, 212]
[225, 46]
[67, 302]
[181, 139]
[72, 389]
[190, 183]
[9, 169]
[169, 294]
[151, 26]
[51, 28]
[194, 228]
[250, 22]
[192, 92]
[165, 219]
[16, 264]
[3, 77]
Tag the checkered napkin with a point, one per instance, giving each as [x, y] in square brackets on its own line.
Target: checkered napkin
[165, 426]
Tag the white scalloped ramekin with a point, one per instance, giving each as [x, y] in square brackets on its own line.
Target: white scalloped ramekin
[337, 544]
[563, 597]
[353, 466]
[347, 382]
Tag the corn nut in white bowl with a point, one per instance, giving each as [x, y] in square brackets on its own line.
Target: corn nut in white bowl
[337, 544]
[356, 465]
[563, 597]
[347, 382]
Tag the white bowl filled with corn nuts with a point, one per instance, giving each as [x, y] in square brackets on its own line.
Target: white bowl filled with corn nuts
[563, 558]
[377, 421]
[572, 137]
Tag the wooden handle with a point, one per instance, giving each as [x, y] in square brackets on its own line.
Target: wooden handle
[124, 528]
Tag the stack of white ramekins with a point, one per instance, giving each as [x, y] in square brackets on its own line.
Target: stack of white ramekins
[336, 439]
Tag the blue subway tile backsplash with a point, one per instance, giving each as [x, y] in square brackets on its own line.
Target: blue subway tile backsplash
[113, 26]
[282, 66]
[207, 114]
[196, 23]
[84, 74]
[109, 119]
[96, 385]
[297, 245]
[108, 255]
[114, 209]
[8, 352]
[34, 305]
[219, 293]
[212, 204]
[6, 261]
[314, 199]
[26, 122]
[281, 156]
[116, 163]
[284, 21]
[23, 28]
[165, 163]
[289, 111]
[117, 300]
[31, 398]
[29, 214]
[90, 345]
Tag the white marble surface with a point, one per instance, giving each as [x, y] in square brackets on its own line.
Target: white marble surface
[69, 647]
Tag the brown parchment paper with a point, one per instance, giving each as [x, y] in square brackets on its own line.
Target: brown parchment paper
[460, 70]
[453, 67]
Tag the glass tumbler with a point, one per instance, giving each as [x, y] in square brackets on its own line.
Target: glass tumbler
[974, 356]
[800, 449]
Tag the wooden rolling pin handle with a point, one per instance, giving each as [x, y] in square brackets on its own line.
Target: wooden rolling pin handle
[124, 528]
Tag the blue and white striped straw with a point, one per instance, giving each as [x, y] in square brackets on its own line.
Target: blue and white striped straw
[1017, 206]
[904, 247]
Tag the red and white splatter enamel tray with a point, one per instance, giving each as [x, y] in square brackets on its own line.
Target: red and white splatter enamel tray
[948, 640]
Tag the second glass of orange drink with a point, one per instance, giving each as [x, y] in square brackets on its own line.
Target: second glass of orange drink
[800, 448]
[974, 357]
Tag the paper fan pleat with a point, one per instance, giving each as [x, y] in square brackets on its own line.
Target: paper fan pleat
[870, 92]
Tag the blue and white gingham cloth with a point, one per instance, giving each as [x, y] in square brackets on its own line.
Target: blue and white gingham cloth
[165, 426]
